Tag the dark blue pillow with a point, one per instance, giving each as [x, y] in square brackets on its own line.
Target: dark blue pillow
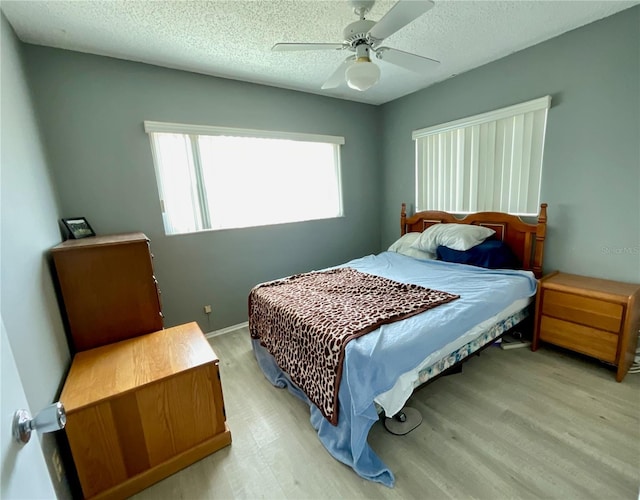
[492, 254]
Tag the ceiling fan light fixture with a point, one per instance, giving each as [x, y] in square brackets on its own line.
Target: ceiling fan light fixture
[364, 38]
[362, 74]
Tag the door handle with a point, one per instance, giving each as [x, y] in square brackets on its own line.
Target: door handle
[50, 419]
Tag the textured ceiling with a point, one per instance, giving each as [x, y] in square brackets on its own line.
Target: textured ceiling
[233, 39]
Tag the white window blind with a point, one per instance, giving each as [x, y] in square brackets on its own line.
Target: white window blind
[221, 178]
[487, 162]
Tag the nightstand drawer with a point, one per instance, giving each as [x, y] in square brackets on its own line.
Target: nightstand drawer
[584, 310]
[591, 341]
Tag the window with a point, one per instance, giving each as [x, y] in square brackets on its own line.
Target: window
[487, 162]
[221, 178]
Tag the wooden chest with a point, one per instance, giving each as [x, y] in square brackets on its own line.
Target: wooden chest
[596, 317]
[142, 409]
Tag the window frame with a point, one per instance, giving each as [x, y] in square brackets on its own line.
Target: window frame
[201, 211]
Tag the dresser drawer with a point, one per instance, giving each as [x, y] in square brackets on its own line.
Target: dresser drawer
[591, 341]
[586, 311]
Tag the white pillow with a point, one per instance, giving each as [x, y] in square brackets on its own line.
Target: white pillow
[405, 241]
[456, 236]
[417, 254]
[403, 246]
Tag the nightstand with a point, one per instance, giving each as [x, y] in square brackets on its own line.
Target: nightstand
[596, 317]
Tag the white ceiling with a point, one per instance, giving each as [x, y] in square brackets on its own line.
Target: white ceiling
[233, 39]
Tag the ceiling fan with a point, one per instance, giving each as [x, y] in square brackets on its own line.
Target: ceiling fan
[364, 37]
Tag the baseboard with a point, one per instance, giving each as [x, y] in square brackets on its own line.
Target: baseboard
[228, 329]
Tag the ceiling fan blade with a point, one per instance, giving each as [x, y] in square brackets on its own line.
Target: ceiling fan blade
[401, 14]
[412, 62]
[338, 75]
[283, 47]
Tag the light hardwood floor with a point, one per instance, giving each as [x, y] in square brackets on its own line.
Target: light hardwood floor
[514, 424]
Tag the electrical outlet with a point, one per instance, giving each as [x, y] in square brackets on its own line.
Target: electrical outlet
[207, 309]
[57, 464]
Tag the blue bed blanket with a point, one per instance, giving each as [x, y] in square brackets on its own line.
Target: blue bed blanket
[374, 362]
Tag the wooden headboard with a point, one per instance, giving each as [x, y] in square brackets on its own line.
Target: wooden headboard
[526, 240]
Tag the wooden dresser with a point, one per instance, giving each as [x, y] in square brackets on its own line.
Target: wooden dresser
[143, 408]
[108, 288]
[596, 317]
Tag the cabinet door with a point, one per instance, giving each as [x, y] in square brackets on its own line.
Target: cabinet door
[109, 293]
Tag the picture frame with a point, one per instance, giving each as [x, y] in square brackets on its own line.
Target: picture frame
[78, 227]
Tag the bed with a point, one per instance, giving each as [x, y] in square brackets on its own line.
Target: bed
[379, 371]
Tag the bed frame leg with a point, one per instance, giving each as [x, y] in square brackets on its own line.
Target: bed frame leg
[457, 368]
[400, 416]
[403, 422]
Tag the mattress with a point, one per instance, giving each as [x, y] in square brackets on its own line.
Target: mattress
[385, 364]
[437, 362]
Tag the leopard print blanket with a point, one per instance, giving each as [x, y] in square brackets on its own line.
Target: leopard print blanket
[306, 320]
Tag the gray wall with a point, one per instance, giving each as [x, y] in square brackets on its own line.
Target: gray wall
[28, 229]
[92, 109]
[591, 171]
[29, 216]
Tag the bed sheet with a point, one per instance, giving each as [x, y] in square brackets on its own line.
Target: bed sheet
[438, 361]
[374, 363]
